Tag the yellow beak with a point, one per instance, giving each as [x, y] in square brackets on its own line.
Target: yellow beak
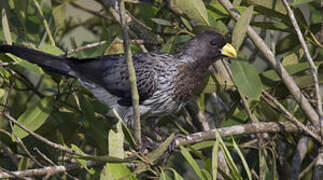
[229, 50]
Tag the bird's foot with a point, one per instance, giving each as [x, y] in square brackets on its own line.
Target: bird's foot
[173, 144]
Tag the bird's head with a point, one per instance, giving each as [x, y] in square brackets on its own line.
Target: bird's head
[209, 46]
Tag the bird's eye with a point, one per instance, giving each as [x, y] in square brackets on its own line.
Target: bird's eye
[213, 42]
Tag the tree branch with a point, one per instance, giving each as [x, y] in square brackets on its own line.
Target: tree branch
[46, 170]
[251, 128]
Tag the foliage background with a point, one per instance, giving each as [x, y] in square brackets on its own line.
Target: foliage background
[65, 113]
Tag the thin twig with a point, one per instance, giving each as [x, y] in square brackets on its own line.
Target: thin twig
[51, 162]
[46, 141]
[4, 64]
[270, 99]
[12, 174]
[96, 44]
[310, 61]
[132, 75]
[46, 170]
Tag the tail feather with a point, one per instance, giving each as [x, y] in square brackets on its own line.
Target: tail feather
[49, 62]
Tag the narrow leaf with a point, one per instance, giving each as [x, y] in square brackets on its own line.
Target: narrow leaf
[192, 162]
[240, 29]
[244, 162]
[5, 27]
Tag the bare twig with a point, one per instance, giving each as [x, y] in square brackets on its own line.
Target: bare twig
[271, 100]
[287, 79]
[11, 174]
[132, 75]
[310, 61]
[46, 170]
[4, 64]
[92, 45]
[51, 162]
[251, 128]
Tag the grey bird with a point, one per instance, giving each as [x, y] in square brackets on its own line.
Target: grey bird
[165, 82]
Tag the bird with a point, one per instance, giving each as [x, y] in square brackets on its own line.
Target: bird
[165, 82]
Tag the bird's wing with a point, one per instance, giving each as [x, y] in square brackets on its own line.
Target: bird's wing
[111, 73]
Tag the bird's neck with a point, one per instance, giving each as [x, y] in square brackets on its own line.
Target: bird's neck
[190, 78]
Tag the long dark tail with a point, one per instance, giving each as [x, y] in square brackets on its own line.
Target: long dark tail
[48, 62]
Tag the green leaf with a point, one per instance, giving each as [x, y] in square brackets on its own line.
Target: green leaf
[163, 22]
[233, 167]
[273, 5]
[240, 29]
[176, 175]
[194, 9]
[246, 79]
[287, 43]
[116, 141]
[5, 27]
[59, 14]
[299, 2]
[36, 114]
[116, 171]
[272, 25]
[206, 174]
[264, 166]
[153, 156]
[168, 46]
[192, 162]
[244, 162]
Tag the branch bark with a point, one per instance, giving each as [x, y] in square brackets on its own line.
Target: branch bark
[251, 128]
[46, 170]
